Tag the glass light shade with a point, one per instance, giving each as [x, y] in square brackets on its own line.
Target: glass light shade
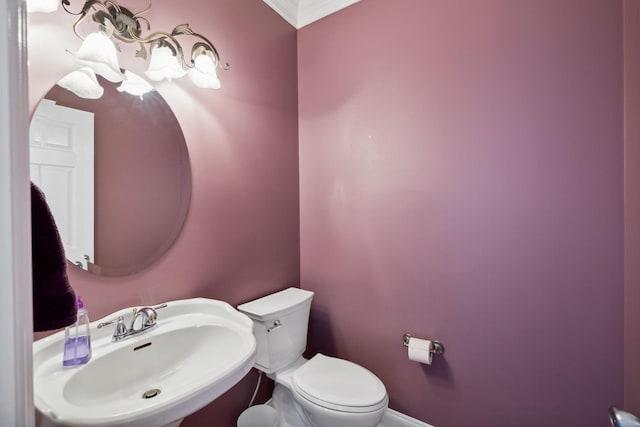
[134, 85]
[203, 74]
[164, 65]
[46, 6]
[99, 53]
[83, 83]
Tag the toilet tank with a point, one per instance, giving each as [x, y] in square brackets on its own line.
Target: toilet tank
[280, 326]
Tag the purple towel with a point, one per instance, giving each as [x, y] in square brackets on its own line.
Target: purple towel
[54, 300]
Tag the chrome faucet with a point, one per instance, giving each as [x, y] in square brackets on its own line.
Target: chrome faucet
[620, 418]
[143, 319]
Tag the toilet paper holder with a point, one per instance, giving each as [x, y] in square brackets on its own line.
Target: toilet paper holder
[436, 346]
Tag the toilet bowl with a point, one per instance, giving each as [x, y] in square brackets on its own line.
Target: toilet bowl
[322, 391]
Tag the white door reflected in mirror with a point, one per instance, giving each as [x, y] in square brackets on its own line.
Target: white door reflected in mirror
[62, 164]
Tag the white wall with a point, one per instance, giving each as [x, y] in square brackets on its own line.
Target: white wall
[16, 389]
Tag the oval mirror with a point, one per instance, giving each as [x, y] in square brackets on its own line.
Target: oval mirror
[116, 174]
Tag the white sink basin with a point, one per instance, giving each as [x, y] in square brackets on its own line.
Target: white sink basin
[199, 349]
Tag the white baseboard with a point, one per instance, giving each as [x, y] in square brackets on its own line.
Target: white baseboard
[396, 419]
[393, 419]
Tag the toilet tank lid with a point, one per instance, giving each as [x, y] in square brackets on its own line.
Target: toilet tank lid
[276, 303]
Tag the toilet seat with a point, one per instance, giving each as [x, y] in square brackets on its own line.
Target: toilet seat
[339, 385]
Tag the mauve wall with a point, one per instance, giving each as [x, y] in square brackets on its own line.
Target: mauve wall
[632, 205]
[461, 178]
[241, 237]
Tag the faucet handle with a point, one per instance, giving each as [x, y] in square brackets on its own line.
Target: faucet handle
[121, 329]
[119, 319]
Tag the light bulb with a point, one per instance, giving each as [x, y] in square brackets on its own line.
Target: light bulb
[134, 85]
[203, 73]
[99, 53]
[164, 65]
[46, 6]
[82, 82]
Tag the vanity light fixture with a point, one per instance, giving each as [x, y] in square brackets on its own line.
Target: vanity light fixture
[82, 82]
[167, 56]
[46, 6]
[133, 84]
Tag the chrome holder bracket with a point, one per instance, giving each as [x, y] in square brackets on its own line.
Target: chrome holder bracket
[436, 348]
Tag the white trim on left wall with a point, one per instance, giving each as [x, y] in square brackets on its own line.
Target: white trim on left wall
[16, 322]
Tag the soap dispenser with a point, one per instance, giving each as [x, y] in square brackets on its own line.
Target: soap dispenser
[77, 339]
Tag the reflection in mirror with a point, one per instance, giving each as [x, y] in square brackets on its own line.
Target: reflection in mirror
[116, 174]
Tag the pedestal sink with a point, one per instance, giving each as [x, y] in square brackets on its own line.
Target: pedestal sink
[199, 349]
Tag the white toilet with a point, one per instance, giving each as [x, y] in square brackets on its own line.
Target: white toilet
[320, 392]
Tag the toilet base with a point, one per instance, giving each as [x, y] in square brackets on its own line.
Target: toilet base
[291, 413]
[288, 415]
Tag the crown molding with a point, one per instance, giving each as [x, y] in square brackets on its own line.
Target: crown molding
[288, 9]
[303, 12]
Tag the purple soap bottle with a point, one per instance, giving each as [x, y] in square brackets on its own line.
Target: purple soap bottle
[77, 339]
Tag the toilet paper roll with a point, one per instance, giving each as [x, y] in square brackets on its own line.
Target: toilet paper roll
[418, 350]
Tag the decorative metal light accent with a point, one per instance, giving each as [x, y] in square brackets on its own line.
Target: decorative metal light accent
[167, 56]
